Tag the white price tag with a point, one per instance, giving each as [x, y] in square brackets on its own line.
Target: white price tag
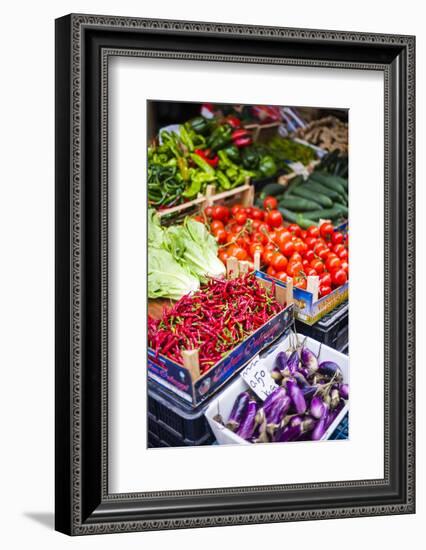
[299, 169]
[258, 378]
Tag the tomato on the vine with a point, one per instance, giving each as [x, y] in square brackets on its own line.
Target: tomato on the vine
[221, 236]
[220, 213]
[241, 218]
[332, 263]
[295, 229]
[236, 208]
[257, 214]
[294, 268]
[309, 255]
[279, 261]
[318, 266]
[208, 211]
[267, 256]
[270, 203]
[326, 230]
[274, 218]
[216, 224]
[313, 231]
[288, 249]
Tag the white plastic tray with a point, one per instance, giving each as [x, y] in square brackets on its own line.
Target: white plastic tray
[223, 403]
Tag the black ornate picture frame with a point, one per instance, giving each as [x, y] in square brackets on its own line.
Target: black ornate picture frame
[84, 43]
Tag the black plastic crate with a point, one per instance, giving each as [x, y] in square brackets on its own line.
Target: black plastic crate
[174, 422]
[163, 437]
[332, 330]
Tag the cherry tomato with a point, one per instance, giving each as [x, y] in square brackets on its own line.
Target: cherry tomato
[332, 263]
[330, 245]
[339, 277]
[310, 271]
[230, 237]
[305, 264]
[249, 211]
[325, 279]
[296, 257]
[337, 238]
[221, 236]
[271, 271]
[270, 203]
[235, 209]
[311, 241]
[309, 255]
[267, 256]
[338, 248]
[345, 266]
[259, 237]
[279, 261]
[288, 249]
[300, 246]
[208, 211]
[239, 253]
[216, 224]
[323, 252]
[255, 224]
[318, 266]
[326, 230]
[303, 234]
[274, 218]
[313, 231]
[241, 218]
[300, 282]
[343, 255]
[283, 238]
[220, 213]
[294, 268]
[324, 290]
[258, 214]
[237, 228]
[295, 229]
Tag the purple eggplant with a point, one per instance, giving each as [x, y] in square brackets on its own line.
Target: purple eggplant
[331, 369]
[296, 420]
[344, 391]
[238, 411]
[332, 415]
[279, 410]
[309, 392]
[317, 407]
[297, 397]
[309, 360]
[321, 425]
[272, 397]
[276, 374]
[281, 361]
[248, 424]
[301, 380]
[292, 433]
[293, 362]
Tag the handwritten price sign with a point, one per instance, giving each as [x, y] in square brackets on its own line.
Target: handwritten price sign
[258, 378]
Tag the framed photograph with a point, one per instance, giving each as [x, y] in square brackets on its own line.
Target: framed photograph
[234, 274]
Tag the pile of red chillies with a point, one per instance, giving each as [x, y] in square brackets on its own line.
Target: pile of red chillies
[213, 320]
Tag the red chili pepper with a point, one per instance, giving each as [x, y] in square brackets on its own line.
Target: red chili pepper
[241, 132]
[233, 121]
[243, 141]
[212, 161]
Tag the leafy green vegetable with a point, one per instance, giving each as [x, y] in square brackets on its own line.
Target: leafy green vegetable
[193, 247]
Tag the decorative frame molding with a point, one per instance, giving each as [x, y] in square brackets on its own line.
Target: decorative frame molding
[83, 48]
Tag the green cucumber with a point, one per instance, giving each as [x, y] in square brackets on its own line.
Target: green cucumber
[295, 182]
[343, 181]
[303, 222]
[325, 213]
[272, 189]
[330, 182]
[309, 194]
[288, 215]
[319, 188]
[343, 209]
[298, 204]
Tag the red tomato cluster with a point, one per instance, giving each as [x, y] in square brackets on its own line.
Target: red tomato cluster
[285, 251]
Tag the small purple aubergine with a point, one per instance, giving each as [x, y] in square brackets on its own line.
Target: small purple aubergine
[292, 433]
[238, 411]
[344, 391]
[297, 397]
[301, 380]
[248, 424]
[321, 425]
[272, 397]
[281, 361]
[309, 392]
[279, 410]
[293, 362]
[309, 360]
[330, 369]
[317, 407]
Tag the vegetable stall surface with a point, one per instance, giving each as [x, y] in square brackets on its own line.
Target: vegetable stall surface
[179, 257]
[213, 320]
[310, 394]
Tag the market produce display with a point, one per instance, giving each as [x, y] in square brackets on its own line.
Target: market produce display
[334, 163]
[285, 251]
[309, 396]
[214, 319]
[179, 257]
